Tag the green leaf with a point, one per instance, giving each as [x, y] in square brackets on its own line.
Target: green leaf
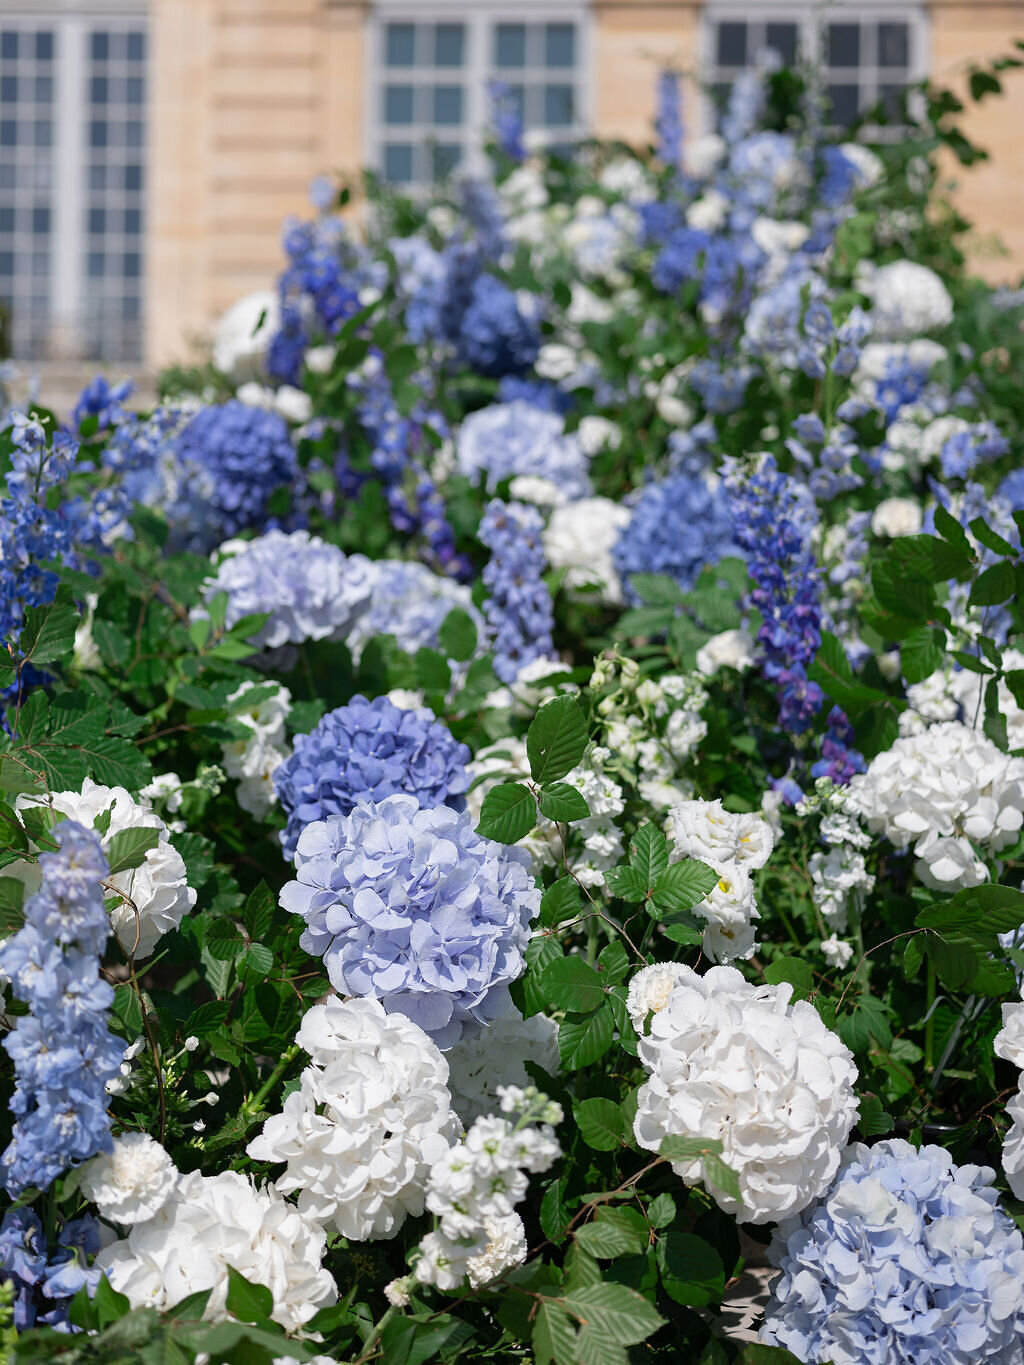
[795, 971]
[628, 883]
[554, 1336]
[688, 1149]
[12, 897]
[571, 985]
[561, 901]
[656, 589]
[109, 1304]
[561, 801]
[583, 1040]
[614, 1232]
[509, 813]
[433, 673]
[717, 1173]
[683, 885]
[955, 963]
[691, 1269]
[913, 956]
[619, 1314]
[49, 632]
[990, 539]
[556, 739]
[648, 852]
[458, 635]
[950, 530]
[258, 914]
[754, 1353]
[528, 990]
[600, 1124]
[873, 1121]
[921, 653]
[898, 592]
[128, 848]
[868, 1019]
[995, 584]
[979, 911]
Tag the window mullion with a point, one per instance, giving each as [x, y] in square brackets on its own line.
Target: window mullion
[68, 202]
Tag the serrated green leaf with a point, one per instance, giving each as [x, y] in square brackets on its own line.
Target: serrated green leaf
[560, 801]
[993, 585]
[626, 882]
[554, 1336]
[656, 589]
[614, 1232]
[571, 985]
[688, 1149]
[433, 672]
[582, 1040]
[913, 956]
[683, 885]
[561, 901]
[246, 1301]
[49, 632]
[717, 1173]
[458, 635]
[600, 1124]
[648, 852]
[619, 1314]
[793, 970]
[258, 915]
[556, 739]
[508, 814]
[691, 1269]
[991, 539]
[921, 653]
[873, 1120]
[128, 848]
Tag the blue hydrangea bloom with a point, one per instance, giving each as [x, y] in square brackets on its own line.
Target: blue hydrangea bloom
[411, 603]
[540, 392]
[962, 452]
[366, 751]
[505, 439]
[413, 908]
[232, 458]
[1011, 489]
[62, 1050]
[907, 1261]
[494, 338]
[679, 525]
[518, 609]
[43, 1288]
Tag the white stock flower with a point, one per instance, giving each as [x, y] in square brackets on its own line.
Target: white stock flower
[897, 517]
[131, 1182]
[213, 1223]
[836, 951]
[650, 988]
[580, 537]
[506, 1248]
[370, 1118]
[243, 333]
[154, 897]
[494, 1057]
[729, 649]
[836, 876]
[908, 299]
[941, 792]
[739, 1064]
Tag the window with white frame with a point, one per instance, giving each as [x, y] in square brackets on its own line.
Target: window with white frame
[869, 52]
[434, 66]
[72, 178]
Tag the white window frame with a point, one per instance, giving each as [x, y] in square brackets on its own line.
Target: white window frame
[72, 21]
[479, 18]
[812, 18]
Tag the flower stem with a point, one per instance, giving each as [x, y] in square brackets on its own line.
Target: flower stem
[929, 1024]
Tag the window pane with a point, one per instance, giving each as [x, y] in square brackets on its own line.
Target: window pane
[99, 89]
[136, 47]
[133, 177]
[97, 177]
[448, 39]
[98, 133]
[43, 132]
[97, 220]
[44, 89]
[44, 47]
[100, 47]
[398, 104]
[8, 89]
[845, 102]
[893, 45]
[8, 133]
[510, 45]
[132, 265]
[133, 136]
[132, 222]
[133, 90]
[558, 105]
[401, 44]
[445, 156]
[781, 38]
[891, 97]
[40, 221]
[448, 104]
[8, 178]
[560, 44]
[398, 162]
[732, 44]
[96, 265]
[130, 310]
[6, 262]
[844, 45]
[9, 46]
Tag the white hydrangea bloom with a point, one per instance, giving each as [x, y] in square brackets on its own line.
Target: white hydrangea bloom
[967, 690]
[598, 433]
[908, 299]
[155, 896]
[1009, 1041]
[494, 1057]
[214, 1222]
[132, 1182]
[931, 701]
[729, 649]
[294, 405]
[253, 761]
[650, 988]
[243, 334]
[836, 951]
[580, 537]
[1013, 1142]
[370, 1118]
[837, 875]
[939, 793]
[740, 1064]
[706, 830]
[895, 517]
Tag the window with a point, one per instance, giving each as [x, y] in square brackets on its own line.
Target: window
[869, 52]
[72, 133]
[430, 97]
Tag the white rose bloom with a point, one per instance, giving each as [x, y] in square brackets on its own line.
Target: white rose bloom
[597, 433]
[243, 333]
[836, 951]
[939, 793]
[494, 1057]
[506, 1248]
[629, 178]
[908, 299]
[706, 830]
[897, 517]
[738, 1063]
[1009, 1041]
[650, 988]
[132, 1182]
[836, 876]
[371, 1116]
[579, 538]
[931, 700]
[214, 1222]
[155, 895]
[729, 649]
[405, 698]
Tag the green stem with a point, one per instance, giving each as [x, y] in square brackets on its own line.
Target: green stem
[255, 1104]
[375, 1336]
[929, 1027]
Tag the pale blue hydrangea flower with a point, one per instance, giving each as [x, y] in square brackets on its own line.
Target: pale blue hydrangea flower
[506, 439]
